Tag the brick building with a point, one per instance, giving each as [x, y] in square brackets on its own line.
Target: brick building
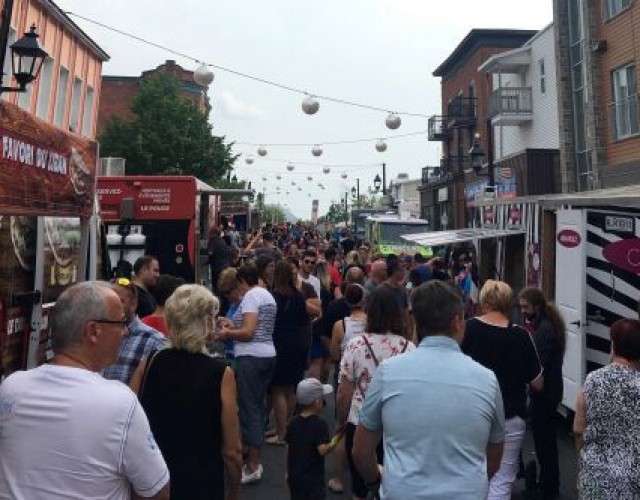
[597, 45]
[119, 91]
[465, 112]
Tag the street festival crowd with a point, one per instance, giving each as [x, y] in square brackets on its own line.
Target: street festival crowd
[162, 389]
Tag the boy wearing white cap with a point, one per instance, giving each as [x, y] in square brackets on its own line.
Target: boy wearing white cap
[307, 442]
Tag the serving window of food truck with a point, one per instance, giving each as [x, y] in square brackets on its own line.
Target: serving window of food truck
[47, 190]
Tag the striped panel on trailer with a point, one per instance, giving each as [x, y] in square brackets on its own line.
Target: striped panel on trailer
[612, 293]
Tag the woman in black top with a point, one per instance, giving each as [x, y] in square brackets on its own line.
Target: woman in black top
[290, 338]
[190, 400]
[509, 351]
[550, 337]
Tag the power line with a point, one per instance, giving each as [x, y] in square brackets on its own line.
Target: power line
[332, 143]
[239, 73]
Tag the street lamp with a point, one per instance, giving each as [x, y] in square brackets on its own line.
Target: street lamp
[377, 182]
[476, 153]
[27, 55]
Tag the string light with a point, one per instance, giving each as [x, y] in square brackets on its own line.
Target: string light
[314, 97]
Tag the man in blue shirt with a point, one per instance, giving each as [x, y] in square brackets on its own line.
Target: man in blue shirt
[140, 339]
[440, 412]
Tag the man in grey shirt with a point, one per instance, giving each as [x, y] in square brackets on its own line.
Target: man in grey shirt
[439, 411]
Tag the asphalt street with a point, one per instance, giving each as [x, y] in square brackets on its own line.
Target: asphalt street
[272, 485]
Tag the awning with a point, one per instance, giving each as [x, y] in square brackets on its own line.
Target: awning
[436, 238]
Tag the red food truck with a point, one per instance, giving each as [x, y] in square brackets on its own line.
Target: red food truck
[47, 229]
[165, 216]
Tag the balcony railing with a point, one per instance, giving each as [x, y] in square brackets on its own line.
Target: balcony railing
[462, 112]
[437, 130]
[624, 117]
[449, 167]
[513, 104]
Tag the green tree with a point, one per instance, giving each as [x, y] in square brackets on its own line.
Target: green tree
[273, 213]
[169, 135]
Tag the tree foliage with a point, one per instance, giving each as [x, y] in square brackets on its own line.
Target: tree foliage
[169, 135]
[273, 214]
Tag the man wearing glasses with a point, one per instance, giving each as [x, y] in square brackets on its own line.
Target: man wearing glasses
[141, 339]
[307, 267]
[66, 432]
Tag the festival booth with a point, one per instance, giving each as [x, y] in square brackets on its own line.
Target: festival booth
[47, 229]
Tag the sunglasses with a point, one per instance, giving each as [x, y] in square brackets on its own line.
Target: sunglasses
[309, 262]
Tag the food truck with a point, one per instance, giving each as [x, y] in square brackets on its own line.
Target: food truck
[582, 249]
[168, 217]
[47, 229]
[384, 232]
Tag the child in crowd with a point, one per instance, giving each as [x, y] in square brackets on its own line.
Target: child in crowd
[307, 443]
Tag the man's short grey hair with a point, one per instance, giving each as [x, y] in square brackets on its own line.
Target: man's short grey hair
[435, 304]
[354, 275]
[76, 306]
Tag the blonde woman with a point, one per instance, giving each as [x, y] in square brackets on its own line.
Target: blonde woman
[510, 353]
[190, 400]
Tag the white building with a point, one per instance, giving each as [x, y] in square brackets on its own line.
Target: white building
[405, 193]
[524, 105]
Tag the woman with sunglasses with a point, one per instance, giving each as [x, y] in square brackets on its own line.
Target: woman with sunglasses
[251, 330]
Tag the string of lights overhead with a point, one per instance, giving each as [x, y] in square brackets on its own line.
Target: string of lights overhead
[203, 75]
[310, 105]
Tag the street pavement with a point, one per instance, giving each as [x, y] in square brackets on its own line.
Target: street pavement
[272, 485]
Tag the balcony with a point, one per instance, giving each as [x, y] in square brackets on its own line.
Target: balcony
[438, 128]
[462, 112]
[624, 117]
[511, 106]
[450, 166]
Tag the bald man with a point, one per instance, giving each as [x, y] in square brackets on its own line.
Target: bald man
[377, 275]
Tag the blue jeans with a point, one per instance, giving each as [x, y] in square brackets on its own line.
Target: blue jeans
[253, 377]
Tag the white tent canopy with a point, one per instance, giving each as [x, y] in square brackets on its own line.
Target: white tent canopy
[436, 238]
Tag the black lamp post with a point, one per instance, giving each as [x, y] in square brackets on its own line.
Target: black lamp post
[377, 182]
[27, 55]
[476, 153]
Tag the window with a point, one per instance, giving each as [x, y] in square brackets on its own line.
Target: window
[61, 96]
[543, 81]
[88, 113]
[624, 108]
[6, 80]
[74, 114]
[44, 89]
[613, 7]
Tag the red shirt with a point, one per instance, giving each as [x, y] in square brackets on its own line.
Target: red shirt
[157, 322]
[335, 274]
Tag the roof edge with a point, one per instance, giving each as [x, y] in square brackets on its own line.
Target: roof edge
[475, 36]
[62, 17]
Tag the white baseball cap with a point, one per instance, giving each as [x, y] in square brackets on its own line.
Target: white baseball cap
[311, 389]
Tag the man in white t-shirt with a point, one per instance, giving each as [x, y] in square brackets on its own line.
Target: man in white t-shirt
[66, 432]
[307, 267]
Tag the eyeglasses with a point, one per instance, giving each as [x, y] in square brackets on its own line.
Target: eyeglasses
[121, 322]
[312, 262]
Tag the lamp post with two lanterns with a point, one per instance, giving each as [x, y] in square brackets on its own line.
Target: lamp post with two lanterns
[27, 56]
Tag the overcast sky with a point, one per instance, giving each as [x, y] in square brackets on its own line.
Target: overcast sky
[375, 52]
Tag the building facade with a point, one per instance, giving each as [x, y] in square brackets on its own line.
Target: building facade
[523, 114]
[406, 195]
[118, 92]
[465, 99]
[597, 83]
[66, 93]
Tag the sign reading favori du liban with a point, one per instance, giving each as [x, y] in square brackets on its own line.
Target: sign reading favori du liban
[43, 170]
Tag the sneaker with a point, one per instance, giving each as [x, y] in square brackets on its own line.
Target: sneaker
[253, 477]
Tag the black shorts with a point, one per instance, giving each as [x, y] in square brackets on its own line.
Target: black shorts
[358, 487]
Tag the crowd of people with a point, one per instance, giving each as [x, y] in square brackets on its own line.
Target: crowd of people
[162, 389]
